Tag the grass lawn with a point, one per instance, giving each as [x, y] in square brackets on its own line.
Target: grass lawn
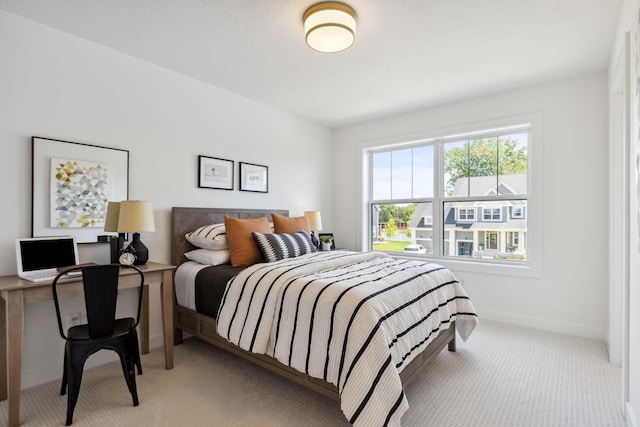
[390, 246]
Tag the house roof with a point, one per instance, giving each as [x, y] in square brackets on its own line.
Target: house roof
[422, 210]
[486, 185]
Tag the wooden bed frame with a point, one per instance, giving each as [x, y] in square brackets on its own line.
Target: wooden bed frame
[184, 220]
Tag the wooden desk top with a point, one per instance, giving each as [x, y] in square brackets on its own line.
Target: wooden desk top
[13, 282]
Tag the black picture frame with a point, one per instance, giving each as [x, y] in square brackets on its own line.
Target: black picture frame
[52, 202]
[254, 178]
[215, 173]
[333, 240]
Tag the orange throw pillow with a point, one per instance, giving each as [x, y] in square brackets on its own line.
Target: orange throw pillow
[285, 224]
[242, 247]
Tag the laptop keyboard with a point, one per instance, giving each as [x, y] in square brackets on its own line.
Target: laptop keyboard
[39, 276]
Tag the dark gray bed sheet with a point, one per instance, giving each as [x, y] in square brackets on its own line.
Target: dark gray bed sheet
[210, 285]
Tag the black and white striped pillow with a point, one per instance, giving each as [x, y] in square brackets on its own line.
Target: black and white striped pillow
[275, 247]
[212, 236]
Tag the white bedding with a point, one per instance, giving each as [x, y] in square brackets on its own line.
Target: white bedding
[358, 333]
[185, 283]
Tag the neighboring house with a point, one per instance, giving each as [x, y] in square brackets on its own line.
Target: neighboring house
[482, 229]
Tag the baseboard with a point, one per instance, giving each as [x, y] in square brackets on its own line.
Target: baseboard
[45, 374]
[544, 324]
[631, 418]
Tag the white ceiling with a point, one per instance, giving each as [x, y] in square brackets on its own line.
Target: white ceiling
[408, 54]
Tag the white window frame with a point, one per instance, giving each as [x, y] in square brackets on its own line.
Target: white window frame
[530, 268]
[518, 216]
[467, 210]
[491, 217]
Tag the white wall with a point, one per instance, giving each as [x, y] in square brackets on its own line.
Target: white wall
[571, 293]
[58, 86]
[629, 23]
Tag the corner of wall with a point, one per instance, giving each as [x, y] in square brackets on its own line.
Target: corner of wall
[629, 415]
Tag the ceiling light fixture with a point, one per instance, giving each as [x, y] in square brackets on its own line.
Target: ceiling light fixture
[329, 26]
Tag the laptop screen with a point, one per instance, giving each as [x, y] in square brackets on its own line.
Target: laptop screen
[46, 253]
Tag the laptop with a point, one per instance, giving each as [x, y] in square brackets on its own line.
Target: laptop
[39, 258]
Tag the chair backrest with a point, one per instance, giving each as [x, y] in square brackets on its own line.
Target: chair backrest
[100, 297]
[100, 284]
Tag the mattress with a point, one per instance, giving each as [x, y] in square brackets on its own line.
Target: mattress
[201, 287]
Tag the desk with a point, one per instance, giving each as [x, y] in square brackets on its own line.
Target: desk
[15, 293]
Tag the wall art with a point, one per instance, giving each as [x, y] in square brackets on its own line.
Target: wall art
[72, 183]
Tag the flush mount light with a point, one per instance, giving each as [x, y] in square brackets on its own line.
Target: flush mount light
[329, 26]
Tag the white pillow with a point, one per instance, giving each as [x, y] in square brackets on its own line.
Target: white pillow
[209, 257]
[212, 236]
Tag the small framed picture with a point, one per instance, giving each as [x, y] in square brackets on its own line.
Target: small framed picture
[254, 178]
[215, 173]
[327, 239]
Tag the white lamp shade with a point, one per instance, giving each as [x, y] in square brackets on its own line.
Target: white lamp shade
[135, 217]
[113, 213]
[315, 220]
[330, 26]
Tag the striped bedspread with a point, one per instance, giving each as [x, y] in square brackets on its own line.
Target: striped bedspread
[352, 319]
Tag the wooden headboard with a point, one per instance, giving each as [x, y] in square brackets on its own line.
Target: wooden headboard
[184, 220]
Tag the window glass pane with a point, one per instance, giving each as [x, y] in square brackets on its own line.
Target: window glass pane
[494, 236]
[401, 227]
[381, 176]
[456, 168]
[423, 171]
[401, 171]
[513, 164]
[483, 167]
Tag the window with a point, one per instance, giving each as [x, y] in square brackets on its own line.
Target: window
[491, 214]
[517, 212]
[466, 214]
[459, 197]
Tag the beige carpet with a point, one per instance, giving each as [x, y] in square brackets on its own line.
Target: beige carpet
[503, 376]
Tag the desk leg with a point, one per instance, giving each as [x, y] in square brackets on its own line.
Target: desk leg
[167, 316]
[3, 349]
[144, 321]
[15, 307]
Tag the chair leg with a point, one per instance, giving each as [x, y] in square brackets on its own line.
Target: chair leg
[63, 387]
[75, 378]
[128, 368]
[136, 353]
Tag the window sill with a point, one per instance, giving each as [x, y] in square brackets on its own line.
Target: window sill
[487, 267]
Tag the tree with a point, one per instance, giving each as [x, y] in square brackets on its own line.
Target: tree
[387, 212]
[484, 157]
[391, 228]
[398, 213]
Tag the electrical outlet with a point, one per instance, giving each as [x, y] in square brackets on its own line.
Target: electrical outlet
[74, 319]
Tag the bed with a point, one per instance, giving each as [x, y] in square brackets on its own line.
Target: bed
[202, 323]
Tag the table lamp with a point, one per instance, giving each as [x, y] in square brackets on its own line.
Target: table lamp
[136, 217]
[111, 225]
[315, 223]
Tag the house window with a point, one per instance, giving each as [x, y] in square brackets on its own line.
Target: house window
[432, 186]
[466, 214]
[491, 214]
[517, 212]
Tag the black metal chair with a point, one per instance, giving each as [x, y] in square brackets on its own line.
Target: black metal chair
[102, 331]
